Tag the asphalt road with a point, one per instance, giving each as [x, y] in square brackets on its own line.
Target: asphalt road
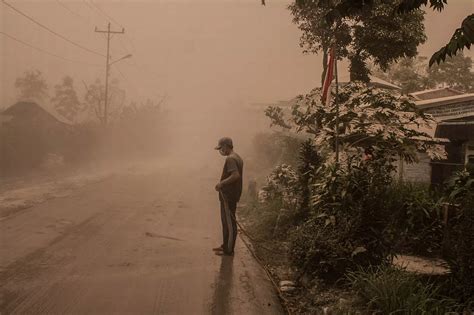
[135, 243]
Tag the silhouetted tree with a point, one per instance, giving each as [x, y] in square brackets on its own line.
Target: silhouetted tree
[372, 32]
[455, 72]
[462, 38]
[95, 97]
[65, 100]
[414, 74]
[32, 86]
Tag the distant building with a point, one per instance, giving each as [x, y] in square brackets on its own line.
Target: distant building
[29, 132]
[454, 115]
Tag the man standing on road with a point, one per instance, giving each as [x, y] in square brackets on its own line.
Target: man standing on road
[230, 189]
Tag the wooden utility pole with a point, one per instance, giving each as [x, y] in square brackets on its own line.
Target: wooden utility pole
[107, 67]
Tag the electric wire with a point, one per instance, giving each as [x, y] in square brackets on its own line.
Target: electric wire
[90, 3]
[45, 51]
[74, 12]
[96, 9]
[105, 14]
[67, 9]
[50, 30]
[133, 63]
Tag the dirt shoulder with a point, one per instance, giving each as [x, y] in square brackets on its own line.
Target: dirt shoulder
[17, 194]
[298, 294]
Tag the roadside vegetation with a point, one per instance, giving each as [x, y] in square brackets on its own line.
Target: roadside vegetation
[333, 228]
[332, 213]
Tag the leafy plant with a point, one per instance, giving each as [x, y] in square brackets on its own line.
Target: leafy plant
[281, 184]
[368, 118]
[460, 185]
[347, 226]
[460, 237]
[415, 223]
[309, 162]
[389, 290]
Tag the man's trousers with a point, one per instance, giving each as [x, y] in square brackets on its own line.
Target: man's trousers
[229, 224]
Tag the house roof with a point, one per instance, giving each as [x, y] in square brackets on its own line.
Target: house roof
[435, 93]
[31, 108]
[374, 81]
[434, 102]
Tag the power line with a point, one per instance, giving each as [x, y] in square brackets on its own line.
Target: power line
[73, 12]
[50, 30]
[89, 5]
[45, 51]
[67, 9]
[133, 63]
[108, 16]
[105, 14]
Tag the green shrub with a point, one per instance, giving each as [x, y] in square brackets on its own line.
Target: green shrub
[415, 221]
[282, 183]
[309, 162]
[347, 227]
[270, 149]
[460, 237]
[389, 290]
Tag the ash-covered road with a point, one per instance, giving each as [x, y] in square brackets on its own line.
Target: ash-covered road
[136, 243]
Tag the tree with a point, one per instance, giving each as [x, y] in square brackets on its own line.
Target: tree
[94, 99]
[462, 38]
[455, 72]
[411, 74]
[414, 74]
[32, 86]
[372, 32]
[65, 100]
[95, 96]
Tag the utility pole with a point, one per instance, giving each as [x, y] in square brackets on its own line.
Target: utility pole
[107, 67]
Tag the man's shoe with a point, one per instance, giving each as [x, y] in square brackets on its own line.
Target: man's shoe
[224, 253]
[218, 249]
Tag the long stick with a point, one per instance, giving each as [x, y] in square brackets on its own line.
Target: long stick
[336, 102]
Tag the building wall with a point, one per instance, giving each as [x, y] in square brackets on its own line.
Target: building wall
[417, 172]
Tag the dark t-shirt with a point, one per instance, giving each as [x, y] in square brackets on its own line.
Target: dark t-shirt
[233, 191]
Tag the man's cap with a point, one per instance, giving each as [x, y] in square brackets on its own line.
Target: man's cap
[226, 141]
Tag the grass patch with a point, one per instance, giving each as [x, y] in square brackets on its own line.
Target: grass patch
[391, 290]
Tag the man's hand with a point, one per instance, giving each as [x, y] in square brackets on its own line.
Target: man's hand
[219, 186]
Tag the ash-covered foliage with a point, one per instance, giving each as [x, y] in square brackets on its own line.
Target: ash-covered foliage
[352, 217]
[460, 237]
[382, 120]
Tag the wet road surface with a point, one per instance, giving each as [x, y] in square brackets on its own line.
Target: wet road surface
[137, 243]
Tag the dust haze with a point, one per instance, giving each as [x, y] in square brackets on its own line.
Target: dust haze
[211, 65]
[108, 204]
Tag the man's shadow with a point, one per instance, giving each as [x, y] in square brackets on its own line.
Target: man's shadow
[221, 299]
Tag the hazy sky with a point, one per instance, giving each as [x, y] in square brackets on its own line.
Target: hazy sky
[200, 53]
